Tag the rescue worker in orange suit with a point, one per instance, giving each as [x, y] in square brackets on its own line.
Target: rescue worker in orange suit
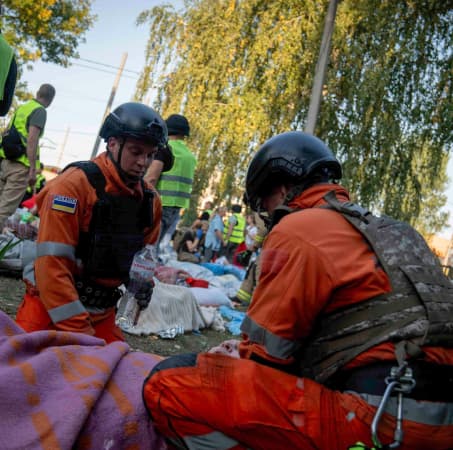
[343, 297]
[93, 218]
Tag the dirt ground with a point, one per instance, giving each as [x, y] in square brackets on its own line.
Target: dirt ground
[12, 290]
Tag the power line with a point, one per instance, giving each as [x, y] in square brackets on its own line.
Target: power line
[101, 70]
[108, 65]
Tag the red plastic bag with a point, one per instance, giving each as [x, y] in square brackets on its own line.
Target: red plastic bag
[196, 282]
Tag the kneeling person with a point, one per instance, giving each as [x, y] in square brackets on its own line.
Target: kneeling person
[94, 217]
[344, 300]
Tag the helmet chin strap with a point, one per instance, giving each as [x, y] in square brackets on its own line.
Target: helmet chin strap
[283, 209]
[279, 212]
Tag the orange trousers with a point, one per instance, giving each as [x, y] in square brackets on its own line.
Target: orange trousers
[233, 403]
[33, 316]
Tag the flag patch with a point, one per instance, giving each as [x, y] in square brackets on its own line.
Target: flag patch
[64, 204]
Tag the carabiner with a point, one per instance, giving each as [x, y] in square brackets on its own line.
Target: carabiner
[402, 381]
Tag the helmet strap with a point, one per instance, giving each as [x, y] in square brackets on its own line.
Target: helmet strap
[128, 179]
[283, 209]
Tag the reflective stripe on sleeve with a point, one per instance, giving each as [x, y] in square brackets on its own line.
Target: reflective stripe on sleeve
[29, 273]
[211, 441]
[275, 346]
[49, 248]
[243, 295]
[66, 311]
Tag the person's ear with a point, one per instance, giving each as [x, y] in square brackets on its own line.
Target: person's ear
[283, 190]
[286, 189]
[112, 143]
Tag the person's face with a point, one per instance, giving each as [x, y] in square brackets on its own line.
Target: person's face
[135, 157]
[275, 198]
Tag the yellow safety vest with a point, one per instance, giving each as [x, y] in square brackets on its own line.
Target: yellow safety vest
[175, 186]
[20, 122]
[237, 235]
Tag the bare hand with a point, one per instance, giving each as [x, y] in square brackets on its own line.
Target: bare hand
[229, 348]
[32, 177]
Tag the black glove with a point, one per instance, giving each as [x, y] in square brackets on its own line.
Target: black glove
[143, 295]
[243, 258]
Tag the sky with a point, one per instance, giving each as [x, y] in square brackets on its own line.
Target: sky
[83, 89]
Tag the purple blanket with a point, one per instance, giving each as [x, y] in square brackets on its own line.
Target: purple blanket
[67, 390]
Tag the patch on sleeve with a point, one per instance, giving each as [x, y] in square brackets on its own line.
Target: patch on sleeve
[64, 204]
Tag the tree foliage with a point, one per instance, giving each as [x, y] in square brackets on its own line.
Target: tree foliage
[49, 30]
[242, 71]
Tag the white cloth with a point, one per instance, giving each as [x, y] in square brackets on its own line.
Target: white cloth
[18, 255]
[250, 233]
[170, 306]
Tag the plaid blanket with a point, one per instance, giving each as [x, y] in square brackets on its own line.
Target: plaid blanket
[67, 390]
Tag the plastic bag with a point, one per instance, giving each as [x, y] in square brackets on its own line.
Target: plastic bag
[139, 289]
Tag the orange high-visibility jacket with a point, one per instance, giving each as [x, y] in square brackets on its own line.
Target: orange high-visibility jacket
[314, 261]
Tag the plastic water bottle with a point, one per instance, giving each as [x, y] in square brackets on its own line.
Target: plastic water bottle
[139, 289]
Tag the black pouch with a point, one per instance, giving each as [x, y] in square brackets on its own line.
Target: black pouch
[12, 144]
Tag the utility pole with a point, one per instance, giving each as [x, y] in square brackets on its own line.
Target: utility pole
[63, 145]
[109, 103]
[321, 68]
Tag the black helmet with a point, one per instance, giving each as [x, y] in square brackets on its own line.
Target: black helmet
[135, 120]
[178, 125]
[292, 156]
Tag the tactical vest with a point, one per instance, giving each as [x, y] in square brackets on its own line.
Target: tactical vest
[20, 120]
[237, 235]
[116, 230]
[175, 186]
[418, 311]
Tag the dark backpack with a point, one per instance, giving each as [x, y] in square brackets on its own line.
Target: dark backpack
[12, 144]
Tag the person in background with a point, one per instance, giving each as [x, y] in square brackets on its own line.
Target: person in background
[187, 248]
[207, 210]
[214, 236]
[250, 232]
[245, 292]
[175, 185]
[234, 232]
[347, 342]
[94, 217]
[39, 185]
[200, 235]
[19, 172]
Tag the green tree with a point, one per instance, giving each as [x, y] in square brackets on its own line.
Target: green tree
[242, 71]
[49, 30]
[388, 106]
